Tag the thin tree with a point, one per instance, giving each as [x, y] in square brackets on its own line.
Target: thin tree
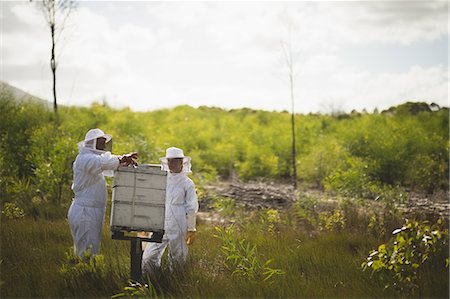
[56, 14]
[289, 59]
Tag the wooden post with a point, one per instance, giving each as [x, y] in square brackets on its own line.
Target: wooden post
[136, 250]
[136, 259]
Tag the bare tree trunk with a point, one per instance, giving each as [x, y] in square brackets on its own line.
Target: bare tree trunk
[56, 13]
[289, 56]
[53, 67]
[294, 151]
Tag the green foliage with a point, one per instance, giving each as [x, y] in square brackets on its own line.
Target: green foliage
[11, 211]
[376, 225]
[225, 206]
[351, 179]
[52, 151]
[270, 220]
[135, 289]
[388, 147]
[305, 212]
[20, 192]
[242, 260]
[325, 265]
[334, 221]
[326, 157]
[370, 156]
[404, 259]
[85, 272]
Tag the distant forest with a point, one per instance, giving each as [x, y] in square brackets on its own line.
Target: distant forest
[357, 154]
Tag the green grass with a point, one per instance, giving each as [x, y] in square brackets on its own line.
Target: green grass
[324, 265]
[33, 252]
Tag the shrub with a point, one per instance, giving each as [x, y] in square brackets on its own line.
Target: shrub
[351, 179]
[11, 211]
[305, 211]
[85, 273]
[225, 206]
[401, 261]
[332, 221]
[242, 259]
[376, 225]
[270, 219]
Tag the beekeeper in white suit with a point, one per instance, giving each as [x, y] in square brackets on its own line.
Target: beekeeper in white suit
[87, 211]
[180, 215]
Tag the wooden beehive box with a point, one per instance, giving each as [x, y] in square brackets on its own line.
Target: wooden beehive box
[138, 199]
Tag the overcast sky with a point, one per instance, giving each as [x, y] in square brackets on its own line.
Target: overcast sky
[151, 55]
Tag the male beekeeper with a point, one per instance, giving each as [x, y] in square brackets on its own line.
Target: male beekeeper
[180, 215]
[87, 211]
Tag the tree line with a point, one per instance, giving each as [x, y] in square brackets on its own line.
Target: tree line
[357, 154]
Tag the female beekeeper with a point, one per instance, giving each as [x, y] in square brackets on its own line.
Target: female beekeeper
[180, 215]
[87, 210]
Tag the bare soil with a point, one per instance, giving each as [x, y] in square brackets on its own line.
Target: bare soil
[281, 195]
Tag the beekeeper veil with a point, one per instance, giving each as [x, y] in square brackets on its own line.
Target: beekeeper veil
[174, 152]
[90, 142]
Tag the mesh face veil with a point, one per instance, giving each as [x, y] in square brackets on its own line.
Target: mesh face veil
[92, 144]
[173, 152]
[90, 141]
[186, 165]
[109, 146]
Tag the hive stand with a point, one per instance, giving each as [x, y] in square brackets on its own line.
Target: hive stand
[136, 250]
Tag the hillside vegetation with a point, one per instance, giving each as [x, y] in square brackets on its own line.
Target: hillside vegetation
[363, 155]
[313, 247]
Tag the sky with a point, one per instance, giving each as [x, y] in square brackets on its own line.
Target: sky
[150, 55]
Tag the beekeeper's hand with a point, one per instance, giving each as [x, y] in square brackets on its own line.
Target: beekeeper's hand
[190, 237]
[129, 159]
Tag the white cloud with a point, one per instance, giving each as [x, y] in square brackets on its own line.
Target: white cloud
[29, 14]
[418, 84]
[365, 90]
[384, 21]
[161, 54]
[27, 17]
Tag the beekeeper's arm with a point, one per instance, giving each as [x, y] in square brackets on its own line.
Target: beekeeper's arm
[191, 212]
[111, 162]
[96, 164]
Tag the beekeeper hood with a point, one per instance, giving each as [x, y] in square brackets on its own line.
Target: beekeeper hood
[90, 141]
[174, 152]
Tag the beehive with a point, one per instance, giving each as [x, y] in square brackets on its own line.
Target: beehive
[138, 199]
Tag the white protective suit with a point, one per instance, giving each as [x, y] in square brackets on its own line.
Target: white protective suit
[180, 216]
[87, 211]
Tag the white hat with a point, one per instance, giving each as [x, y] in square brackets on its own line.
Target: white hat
[173, 153]
[90, 140]
[96, 133]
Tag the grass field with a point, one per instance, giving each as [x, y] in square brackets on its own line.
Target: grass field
[321, 265]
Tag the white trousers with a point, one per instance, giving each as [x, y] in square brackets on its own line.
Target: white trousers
[153, 252]
[86, 227]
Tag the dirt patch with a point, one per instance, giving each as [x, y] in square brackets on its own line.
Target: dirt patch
[427, 206]
[254, 194]
[276, 195]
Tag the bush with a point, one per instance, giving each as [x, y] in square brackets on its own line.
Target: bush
[304, 210]
[351, 179]
[83, 275]
[332, 221]
[11, 211]
[403, 260]
[270, 220]
[242, 260]
[225, 206]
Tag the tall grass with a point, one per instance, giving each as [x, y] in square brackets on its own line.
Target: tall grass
[34, 251]
[323, 265]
